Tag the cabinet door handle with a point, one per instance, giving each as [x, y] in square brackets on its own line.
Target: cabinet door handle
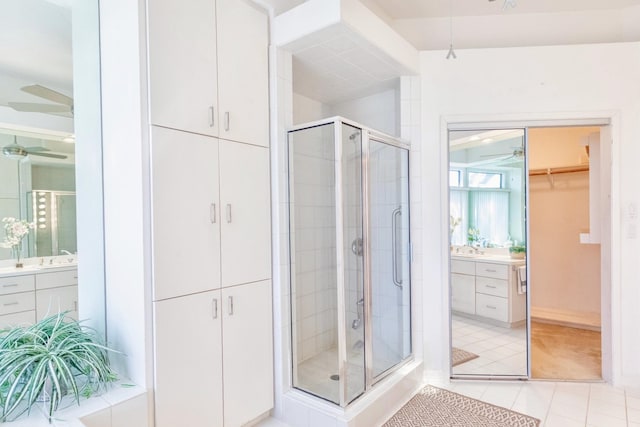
[226, 121]
[230, 306]
[75, 306]
[212, 213]
[214, 304]
[488, 270]
[212, 116]
[229, 213]
[10, 303]
[490, 286]
[491, 307]
[10, 285]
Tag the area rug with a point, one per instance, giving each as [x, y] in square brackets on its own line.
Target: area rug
[435, 407]
[459, 356]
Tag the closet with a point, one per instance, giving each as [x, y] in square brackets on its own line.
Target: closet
[210, 202]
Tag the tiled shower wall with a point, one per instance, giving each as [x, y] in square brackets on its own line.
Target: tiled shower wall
[312, 184]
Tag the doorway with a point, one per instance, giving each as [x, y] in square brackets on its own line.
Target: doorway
[553, 185]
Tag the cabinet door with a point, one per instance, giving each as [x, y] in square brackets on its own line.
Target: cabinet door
[243, 72]
[55, 300]
[188, 364]
[186, 213]
[248, 352]
[182, 65]
[246, 223]
[463, 293]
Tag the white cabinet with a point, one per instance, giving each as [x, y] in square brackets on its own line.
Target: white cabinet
[243, 76]
[248, 352]
[186, 213]
[232, 329]
[188, 380]
[208, 68]
[27, 298]
[211, 213]
[487, 290]
[183, 65]
[246, 222]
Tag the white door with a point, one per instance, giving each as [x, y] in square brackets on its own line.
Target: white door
[246, 223]
[182, 65]
[243, 70]
[248, 352]
[188, 380]
[186, 213]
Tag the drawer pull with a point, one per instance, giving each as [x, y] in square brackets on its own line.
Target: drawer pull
[10, 285]
[490, 270]
[490, 286]
[11, 303]
[491, 307]
[75, 277]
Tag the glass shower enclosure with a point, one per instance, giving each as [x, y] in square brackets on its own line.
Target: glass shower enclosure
[350, 257]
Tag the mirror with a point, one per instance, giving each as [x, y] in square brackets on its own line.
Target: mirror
[488, 249]
[40, 189]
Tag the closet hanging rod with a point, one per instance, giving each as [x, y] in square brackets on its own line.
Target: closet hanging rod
[565, 169]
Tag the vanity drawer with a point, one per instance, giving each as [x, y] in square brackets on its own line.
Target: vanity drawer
[497, 287]
[56, 279]
[496, 271]
[24, 318]
[463, 267]
[14, 303]
[463, 293]
[492, 307]
[13, 284]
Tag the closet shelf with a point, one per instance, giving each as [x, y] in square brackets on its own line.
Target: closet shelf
[564, 169]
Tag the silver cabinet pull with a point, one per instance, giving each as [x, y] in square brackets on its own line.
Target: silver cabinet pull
[228, 212]
[490, 270]
[212, 117]
[10, 285]
[8, 304]
[226, 121]
[490, 286]
[212, 213]
[230, 306]
[75, 306]
[492, 307]
[214, 305]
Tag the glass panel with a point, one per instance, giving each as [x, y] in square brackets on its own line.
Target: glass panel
[354, 260]
[390, 257]
[313, 261]
[488, 284]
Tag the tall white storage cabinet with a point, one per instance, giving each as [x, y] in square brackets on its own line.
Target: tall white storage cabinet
[209, 109]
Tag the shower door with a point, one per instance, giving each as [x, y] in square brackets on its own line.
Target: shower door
[389, 267]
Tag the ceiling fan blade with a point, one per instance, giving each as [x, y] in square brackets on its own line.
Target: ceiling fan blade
[53, 156]
[36, 149]
[50, 94]
[32, 107]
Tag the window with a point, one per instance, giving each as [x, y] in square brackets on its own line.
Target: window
[455, 178]
[485, 180]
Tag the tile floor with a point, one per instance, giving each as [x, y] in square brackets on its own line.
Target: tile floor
[556, 404]
[501, 351]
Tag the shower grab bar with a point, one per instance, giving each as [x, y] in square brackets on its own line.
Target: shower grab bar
[394, 251]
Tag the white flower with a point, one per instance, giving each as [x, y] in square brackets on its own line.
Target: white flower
[14, 231]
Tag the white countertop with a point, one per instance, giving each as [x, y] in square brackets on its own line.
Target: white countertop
[493, 258]
[37, 268]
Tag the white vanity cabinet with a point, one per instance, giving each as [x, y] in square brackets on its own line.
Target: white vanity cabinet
[29, 297]
[213, 351]
[487, 290]
[211, 213]
[208, 68]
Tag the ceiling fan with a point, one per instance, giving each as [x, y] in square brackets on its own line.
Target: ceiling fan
[15, 151]
[63, 104]
[517, 153]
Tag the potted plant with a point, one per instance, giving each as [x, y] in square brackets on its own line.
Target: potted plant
[517, 251]
[54, 358]
[15, 230]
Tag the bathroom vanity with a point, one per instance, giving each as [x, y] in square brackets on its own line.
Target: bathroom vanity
[31, 293]
[486, 287]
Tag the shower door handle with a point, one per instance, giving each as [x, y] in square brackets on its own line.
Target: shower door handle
[397, 279]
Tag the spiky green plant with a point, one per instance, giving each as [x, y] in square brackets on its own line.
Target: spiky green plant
[55, 357]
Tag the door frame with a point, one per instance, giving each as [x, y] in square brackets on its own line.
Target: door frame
[610, 264]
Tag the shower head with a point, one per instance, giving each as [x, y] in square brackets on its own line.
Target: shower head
[354, 135]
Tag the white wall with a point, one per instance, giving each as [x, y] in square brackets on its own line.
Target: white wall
[518, 84]
[379, 111]
[307, 110]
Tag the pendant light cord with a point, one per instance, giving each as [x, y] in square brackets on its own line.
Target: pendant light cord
[451, 53]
